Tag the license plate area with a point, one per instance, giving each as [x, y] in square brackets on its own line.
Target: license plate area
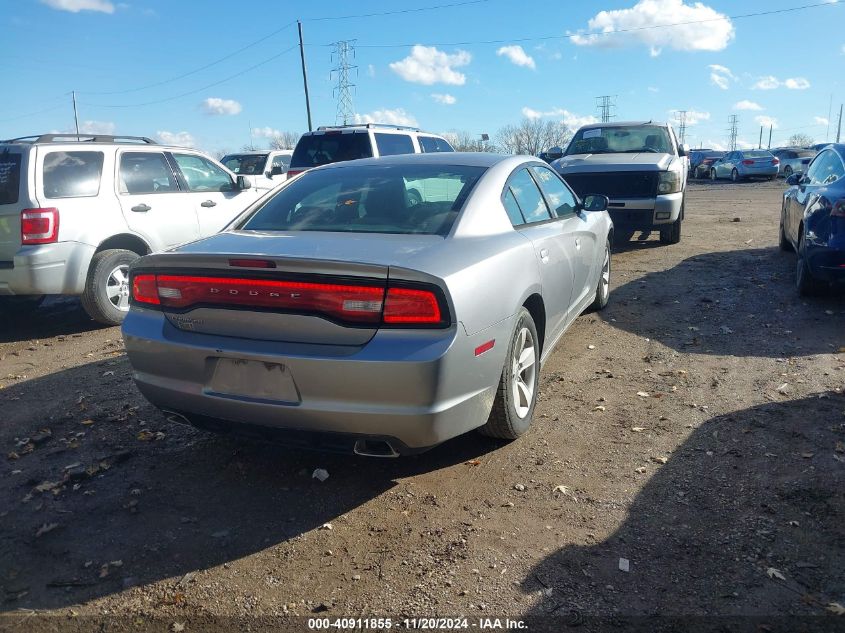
[253, 380]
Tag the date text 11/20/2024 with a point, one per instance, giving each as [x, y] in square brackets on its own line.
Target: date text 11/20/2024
[430, 624]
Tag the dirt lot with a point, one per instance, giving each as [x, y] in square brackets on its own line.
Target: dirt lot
[697, 427]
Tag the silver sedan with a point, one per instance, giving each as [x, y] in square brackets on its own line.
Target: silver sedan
[379, 306]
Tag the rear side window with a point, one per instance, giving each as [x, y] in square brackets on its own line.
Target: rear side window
[245, 164]
[10, 177]
[72, 174]
[512, 208]
[529, 198]
[314, 150]
[145, 172]
[393, 144]
[201, 174]
[430, 144]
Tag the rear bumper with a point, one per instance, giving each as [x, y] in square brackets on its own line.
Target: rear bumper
[414, 389]
[642, 214]
[827, 264]
[49, 269]
[759, 172]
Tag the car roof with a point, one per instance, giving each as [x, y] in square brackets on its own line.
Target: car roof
[469, 159]
[252, 152]
[622, 124]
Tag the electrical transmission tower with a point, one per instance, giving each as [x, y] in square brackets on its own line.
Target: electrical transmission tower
[344, 52]
[606, 105]
[682, 125]
[734, 121]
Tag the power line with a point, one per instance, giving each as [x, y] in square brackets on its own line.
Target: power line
[240, 73]
[397, 12]
[608, 33]
[344, 49]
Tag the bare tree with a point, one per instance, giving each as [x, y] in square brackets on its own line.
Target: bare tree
[532, 136]
[220, 153]
[285, 140]
[800, 140]
[462, 141]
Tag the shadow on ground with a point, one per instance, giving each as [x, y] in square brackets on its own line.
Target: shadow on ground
[736, 303]
[755, 490]
[163, 508]
[56, 316]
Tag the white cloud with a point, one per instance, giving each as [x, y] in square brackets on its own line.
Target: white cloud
[796, 83]
[569, 119]
[653, 89]
[266, 132]
[721, 76]
[371, 70]
[767, 121]
[445, 99]
[741, 144]
[184, 139]
[697, 27]
[426, 65]
[694, 117]
[745, 104]
[392, 117]
[517, 55]
[716, 145]
[97, 127]
[218, 106]
[770, 82]
[75, 6]
[820, 120]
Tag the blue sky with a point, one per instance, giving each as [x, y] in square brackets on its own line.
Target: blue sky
[475, 66]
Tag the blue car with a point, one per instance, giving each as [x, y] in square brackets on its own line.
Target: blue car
[812, 220]
[744, 164]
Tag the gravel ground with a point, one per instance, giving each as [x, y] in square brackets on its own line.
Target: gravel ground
[692, 433]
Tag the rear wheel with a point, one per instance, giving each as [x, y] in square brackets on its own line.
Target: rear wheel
[603, 286]
[735, 175]
[787, 171]
[713, 176]
[516, 397]
[806, 284]
[106, 295]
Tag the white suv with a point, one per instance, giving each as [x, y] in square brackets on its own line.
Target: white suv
[77, 210]
[265, 169]
[347, 142]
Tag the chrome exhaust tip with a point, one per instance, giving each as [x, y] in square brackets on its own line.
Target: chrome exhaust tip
[374, 448]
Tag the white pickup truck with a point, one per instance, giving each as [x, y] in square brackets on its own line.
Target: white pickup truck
[639, 166]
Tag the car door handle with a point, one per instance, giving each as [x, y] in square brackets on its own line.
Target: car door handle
[208, 203]
[141, 208]
[577, 243]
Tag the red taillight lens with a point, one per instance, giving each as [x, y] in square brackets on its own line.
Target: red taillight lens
[776, 161]
[748, 161]
[294, 172]
[411, 306]
[145, 290]
[39, 226]
[360, 304]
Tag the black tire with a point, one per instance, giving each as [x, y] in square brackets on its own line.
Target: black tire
[713, 175]
[787, 171]
[622, 237]
[805, 283]
[734, 175]
[672, 233]
[95, 298]
[603, 285]
[505, 422]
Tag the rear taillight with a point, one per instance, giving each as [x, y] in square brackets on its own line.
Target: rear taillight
[294, 172]
[411, 306]
[39, 226]
[748, 161]
[776, 161]
[370, 304]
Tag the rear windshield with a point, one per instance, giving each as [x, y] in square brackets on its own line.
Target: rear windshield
[72, 174]
[808, 153]
[245, 164]
[421, 199]
[430, 144]
[757, 154]
[621, 139]
[10, 177]
[314, 150]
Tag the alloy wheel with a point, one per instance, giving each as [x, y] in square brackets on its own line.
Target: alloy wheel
[524, 372]
[117, 287]
[604, 282]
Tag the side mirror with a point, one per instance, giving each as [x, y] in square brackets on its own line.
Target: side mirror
[243, 183]
[794, 179]
[277, 170]
[595, 202]
[683, 149]
[554, 153]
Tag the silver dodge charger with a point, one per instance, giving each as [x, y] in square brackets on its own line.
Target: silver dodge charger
[379, 306]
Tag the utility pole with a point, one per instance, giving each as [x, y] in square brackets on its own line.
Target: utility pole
[75, 115]
[304, 76]
[344, 49]
[839, 125]
[771, 127]
[760, 143]
[734, 122]
[606, 105]
[682, 125]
